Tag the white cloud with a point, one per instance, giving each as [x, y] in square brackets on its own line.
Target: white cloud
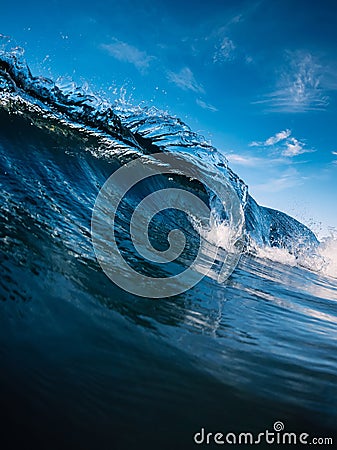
[301, 86]
[224, 51]
[278, 137]
[185, 80]
[294, 147]
[205, 105]
[281, 136]
[334, 153]
[128, 53]
[288, 146]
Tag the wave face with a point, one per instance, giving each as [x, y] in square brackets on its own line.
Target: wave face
[107, 366]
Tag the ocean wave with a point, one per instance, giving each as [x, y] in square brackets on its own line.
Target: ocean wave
[121, 131]
[95, 354]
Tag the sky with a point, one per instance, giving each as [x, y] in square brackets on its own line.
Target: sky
[258, 79]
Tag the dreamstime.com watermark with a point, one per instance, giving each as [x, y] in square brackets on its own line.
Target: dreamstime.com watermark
[276, 436]
[106, 229]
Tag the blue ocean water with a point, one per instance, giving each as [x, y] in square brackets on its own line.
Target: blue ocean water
[86, 364]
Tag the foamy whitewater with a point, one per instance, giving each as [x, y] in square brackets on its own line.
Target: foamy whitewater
[322, 260]
[85, 364]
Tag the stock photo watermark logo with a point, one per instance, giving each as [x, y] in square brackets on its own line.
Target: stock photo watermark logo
[105, 226]
[277, 435]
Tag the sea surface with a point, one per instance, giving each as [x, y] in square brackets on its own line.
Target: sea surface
[87, 365]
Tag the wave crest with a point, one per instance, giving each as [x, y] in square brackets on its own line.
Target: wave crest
[121, 131]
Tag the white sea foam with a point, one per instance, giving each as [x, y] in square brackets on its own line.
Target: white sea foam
[322, 259]
[221, 235]
[277, 254]
[328, 251]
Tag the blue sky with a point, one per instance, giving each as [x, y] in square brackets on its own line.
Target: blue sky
[258, 79]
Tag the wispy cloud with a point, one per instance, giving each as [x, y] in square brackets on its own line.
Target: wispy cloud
[205, 105]
[278, 137]
[224, 51]
[294, 147]
[284, 143]
[249, 160]
[128, 53]
[286, 180]
[243, 160]
[185, 80]
[301, 86]
[334, 162]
